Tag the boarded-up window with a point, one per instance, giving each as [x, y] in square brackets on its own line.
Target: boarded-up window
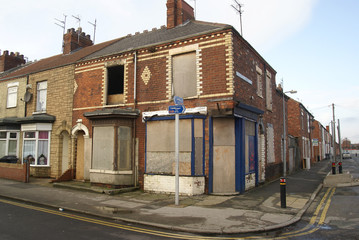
[124, 148]
[302, 118]
[198, 138]
[259, 82]
[160, 153]
[112, 148]
[269, 91]
[103, 148]
[184, 75]
[270, 144]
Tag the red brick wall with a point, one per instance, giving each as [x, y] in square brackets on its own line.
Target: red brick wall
[13, 171]
[316, 135]
[89, 90]
[155, 89]
[298, 125]
[214, 70]
[214, 76]
[245, 61]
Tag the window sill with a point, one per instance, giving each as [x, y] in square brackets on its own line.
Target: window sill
[128, 172]
[39, 112]
[38, 166]
[114, 105]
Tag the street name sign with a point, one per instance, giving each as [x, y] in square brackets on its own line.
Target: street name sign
[176, 109]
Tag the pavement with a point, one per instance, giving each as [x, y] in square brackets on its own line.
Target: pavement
[256, 210]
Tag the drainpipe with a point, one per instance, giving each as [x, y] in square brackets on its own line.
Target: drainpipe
[134, 79]
[134, 123]
[27, 83]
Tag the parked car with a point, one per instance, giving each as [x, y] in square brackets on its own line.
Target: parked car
[346, 155]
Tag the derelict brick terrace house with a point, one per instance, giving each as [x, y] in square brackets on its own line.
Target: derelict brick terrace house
[320, 143]
[36, 110]
[300, 126]
[230, 133]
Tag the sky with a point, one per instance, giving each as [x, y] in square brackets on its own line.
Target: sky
[312, 44]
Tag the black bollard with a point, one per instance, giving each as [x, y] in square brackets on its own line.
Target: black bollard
[283, 199]
[340, 167]
[333, 168]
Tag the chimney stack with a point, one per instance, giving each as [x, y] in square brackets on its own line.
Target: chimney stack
[75, 39]
[8, 61]
[178, 12]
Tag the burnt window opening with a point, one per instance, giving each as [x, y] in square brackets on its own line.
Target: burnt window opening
[115, 84]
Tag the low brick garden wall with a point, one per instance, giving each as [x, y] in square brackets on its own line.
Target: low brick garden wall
[14, 171]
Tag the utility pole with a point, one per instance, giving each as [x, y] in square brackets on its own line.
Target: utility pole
[334, 150]
[340, 167]
[239, 10]
[334, 154]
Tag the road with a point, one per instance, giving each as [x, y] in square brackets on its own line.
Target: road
[28, 222]
[334, 214]
[342, 218]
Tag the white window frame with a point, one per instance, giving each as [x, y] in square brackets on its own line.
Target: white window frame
[41, 98]
[12, 89]
[37, 140]
[7, 139]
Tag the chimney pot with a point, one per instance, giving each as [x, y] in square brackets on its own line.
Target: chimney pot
[10, 61]
[75, 39]
[178, 12]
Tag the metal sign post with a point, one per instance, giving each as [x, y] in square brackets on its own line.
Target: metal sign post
[177, 158]
[177, 110]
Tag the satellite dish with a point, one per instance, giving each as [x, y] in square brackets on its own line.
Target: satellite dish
[27, 96]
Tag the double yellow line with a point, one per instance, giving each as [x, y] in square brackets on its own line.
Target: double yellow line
[315, 222]
[103, 223]
[317, 219]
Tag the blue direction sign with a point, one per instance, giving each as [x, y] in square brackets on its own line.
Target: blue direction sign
[176, 109]
[178, 100]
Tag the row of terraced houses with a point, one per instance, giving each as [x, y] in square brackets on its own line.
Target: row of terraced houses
[99, 113]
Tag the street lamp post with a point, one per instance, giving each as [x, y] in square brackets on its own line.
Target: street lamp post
[283, 179]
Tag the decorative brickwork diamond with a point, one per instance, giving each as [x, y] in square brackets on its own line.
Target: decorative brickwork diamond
[146, 75]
